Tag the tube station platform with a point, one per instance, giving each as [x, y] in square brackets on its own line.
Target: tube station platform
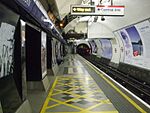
[80, 87]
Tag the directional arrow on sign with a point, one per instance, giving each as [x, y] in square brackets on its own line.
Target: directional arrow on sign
[74, 9]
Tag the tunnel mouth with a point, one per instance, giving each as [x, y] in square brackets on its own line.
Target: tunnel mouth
[83, 49]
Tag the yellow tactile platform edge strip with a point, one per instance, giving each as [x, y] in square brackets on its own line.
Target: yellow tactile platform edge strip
[117, 89]
[86, 112]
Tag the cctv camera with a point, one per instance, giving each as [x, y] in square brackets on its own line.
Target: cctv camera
[102, 19]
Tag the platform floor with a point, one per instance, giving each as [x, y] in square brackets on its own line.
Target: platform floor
[75, 91]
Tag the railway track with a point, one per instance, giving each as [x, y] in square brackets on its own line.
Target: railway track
[139, 88]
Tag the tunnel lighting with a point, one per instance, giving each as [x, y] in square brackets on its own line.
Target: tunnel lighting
[86, 18]
[46, 20]
[86, 39]
[61, 25]
[23, 23]
[77, 40]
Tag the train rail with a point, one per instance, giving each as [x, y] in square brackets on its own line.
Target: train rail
[139, 88]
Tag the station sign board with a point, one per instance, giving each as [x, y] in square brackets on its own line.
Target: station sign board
[99, 10]
[83, 9]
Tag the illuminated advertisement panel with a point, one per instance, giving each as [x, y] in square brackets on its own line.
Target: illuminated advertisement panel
[43, 54]
[93, 46]
[136, 44]
[8, 22]
[106, 48]
[143, 29]
[54, 62]
[128, 50]
[136, 41]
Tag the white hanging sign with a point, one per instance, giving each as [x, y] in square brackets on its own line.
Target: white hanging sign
[98, 10]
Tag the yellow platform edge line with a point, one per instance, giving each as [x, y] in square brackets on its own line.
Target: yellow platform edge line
[117, 89]
[87, 112]
[47, 98]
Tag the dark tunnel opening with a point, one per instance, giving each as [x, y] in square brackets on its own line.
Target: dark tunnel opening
[83, 49]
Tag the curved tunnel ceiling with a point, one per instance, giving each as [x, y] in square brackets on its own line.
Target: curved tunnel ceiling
[135, 11]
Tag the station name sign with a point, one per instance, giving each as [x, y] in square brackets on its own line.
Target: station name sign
[98, 10]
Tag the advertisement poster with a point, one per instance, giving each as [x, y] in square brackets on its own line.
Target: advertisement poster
[98, 47]
[58, 52]
[137, 44]
[6, 48]
[93, 46]
[128, 50]
[121, 49]
[143, 29]
[53, 52]
[106, 48]
[43, 54]
[8, 21]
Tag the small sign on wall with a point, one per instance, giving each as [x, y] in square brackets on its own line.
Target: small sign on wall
[110, 10]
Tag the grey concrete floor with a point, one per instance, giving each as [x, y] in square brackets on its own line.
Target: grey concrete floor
[37, 97]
